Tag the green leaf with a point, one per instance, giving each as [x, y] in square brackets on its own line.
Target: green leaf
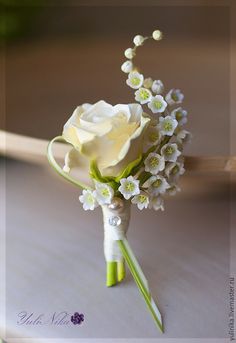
[128, 170]
[95, 172]
[96, 175]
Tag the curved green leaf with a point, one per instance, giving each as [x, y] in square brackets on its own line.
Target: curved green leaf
[57, 167]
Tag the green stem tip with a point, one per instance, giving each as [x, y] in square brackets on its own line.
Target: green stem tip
[120, 270]
[111, 274]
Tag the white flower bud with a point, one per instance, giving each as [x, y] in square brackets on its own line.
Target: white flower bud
[157, 35]
[148, 82]
[138, 40]
[157, 87]
[129, 53]
[127, 67]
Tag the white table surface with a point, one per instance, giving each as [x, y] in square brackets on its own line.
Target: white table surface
[54, 262]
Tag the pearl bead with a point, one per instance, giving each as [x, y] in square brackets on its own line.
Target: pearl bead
[116, 204]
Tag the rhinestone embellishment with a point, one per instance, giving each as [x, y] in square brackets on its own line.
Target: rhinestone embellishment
[114, 221]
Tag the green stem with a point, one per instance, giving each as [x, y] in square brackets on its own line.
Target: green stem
[144, 177]
[120, 270]
[142, 288]
[111, 274]
[165, 141]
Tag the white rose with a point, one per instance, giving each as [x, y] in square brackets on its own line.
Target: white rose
[111, 135]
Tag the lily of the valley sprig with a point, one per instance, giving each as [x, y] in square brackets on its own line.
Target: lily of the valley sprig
[127, 145]
[129, 154]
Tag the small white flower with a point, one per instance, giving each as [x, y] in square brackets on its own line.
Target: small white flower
[147, 83]
[88, 200]
[173, 190]
[128, 187]
[158, 185]
[103, 193]
[135, 80]
[157, 35]
[154, 163]
[157, 87]
[152, 136]
[170, 152]
[157, 203]
[157, 104]
[129, 53]
[141, 200]
[183, 137]
[174, 97]
[180, 115]
[174, 169]
[127, 67]
[143, 95]
[167, 125]
[138, 40]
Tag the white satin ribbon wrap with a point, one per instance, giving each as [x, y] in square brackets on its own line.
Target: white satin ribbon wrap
[112, 251]
[112, 233]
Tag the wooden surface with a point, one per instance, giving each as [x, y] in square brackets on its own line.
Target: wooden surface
[34, 150]
[55, 261]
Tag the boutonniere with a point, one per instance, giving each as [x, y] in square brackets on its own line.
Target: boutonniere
[130, 154]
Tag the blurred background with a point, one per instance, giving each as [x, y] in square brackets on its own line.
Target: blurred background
[58, 55]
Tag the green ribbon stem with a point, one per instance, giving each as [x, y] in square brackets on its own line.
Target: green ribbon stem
[141, 281]
[58, 168]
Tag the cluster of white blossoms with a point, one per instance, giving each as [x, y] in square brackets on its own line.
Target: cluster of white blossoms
[102, 195]
[162, 163]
